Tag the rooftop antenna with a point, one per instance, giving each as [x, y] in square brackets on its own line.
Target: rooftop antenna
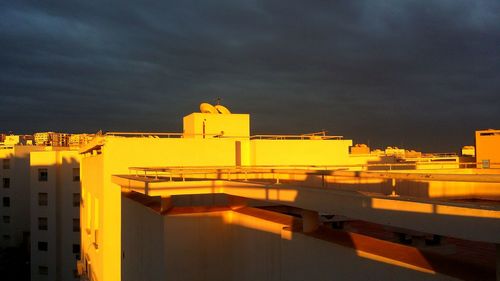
[220, 108]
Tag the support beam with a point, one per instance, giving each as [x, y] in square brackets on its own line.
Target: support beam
[310, 221]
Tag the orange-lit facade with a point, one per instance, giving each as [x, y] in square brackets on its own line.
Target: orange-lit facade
[488, 148]
[188, 206]
[208, 139]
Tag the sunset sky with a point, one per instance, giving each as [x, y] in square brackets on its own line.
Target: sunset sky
[418, 74]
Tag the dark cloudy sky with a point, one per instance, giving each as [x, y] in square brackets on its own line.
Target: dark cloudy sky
[422, 74]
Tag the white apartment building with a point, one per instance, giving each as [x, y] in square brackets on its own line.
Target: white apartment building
[14, 190]
[55, 213]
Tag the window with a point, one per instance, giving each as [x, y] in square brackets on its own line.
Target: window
[43, 270]
[43, 174]
[6, 219]
[76, 174]
[42, 223]
[76, 199]
[43, 198]
[76, 248]
[76, 225]
[43, 246]
[6, 201]
[6, 182]
[6, 163]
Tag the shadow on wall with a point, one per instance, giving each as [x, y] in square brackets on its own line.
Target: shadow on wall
[21, 205]
[220, 243]
[55, 198]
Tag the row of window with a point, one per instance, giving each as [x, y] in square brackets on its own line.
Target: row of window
[44, 247]
[43, 224]
[43, 198]
[43, 175]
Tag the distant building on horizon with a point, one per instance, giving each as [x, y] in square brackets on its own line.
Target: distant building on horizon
[51, 139]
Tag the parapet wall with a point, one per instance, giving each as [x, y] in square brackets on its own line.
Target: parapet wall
[245, 244]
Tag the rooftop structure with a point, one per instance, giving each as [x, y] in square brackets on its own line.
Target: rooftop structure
[78, 140]
[201, 144]
[487, 148]
[52, 139]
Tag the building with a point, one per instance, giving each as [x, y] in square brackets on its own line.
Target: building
[55, 214]
[18, 140]
[360, 149]
[468, 150]
[214, 203]
[208, 139]
[40, 193]
[78, 140]
[487, 148]
[51, 139]
[14, 190]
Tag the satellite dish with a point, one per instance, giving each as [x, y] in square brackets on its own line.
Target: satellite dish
[222, 109]
[207, 108]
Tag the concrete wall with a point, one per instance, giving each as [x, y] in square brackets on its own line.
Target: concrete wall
[487, 144]
[92, 169]
[232, 125]
[143, 233]
[228, 245]
[66, 212]
[300, 152]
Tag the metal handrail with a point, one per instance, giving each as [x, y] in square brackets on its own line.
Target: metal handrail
[184, 172]
[144, 134]
[182, 135]
[296, 137]
[463, 165]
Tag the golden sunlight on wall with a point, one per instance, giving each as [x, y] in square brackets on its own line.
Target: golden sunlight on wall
[209, 125]
[243, 244]
[488, 147]
[208, 140]
[300, 152]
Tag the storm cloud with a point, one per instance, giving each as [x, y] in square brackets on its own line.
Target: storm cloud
[421, 74]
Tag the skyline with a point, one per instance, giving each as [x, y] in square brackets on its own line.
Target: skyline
[421, 76]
